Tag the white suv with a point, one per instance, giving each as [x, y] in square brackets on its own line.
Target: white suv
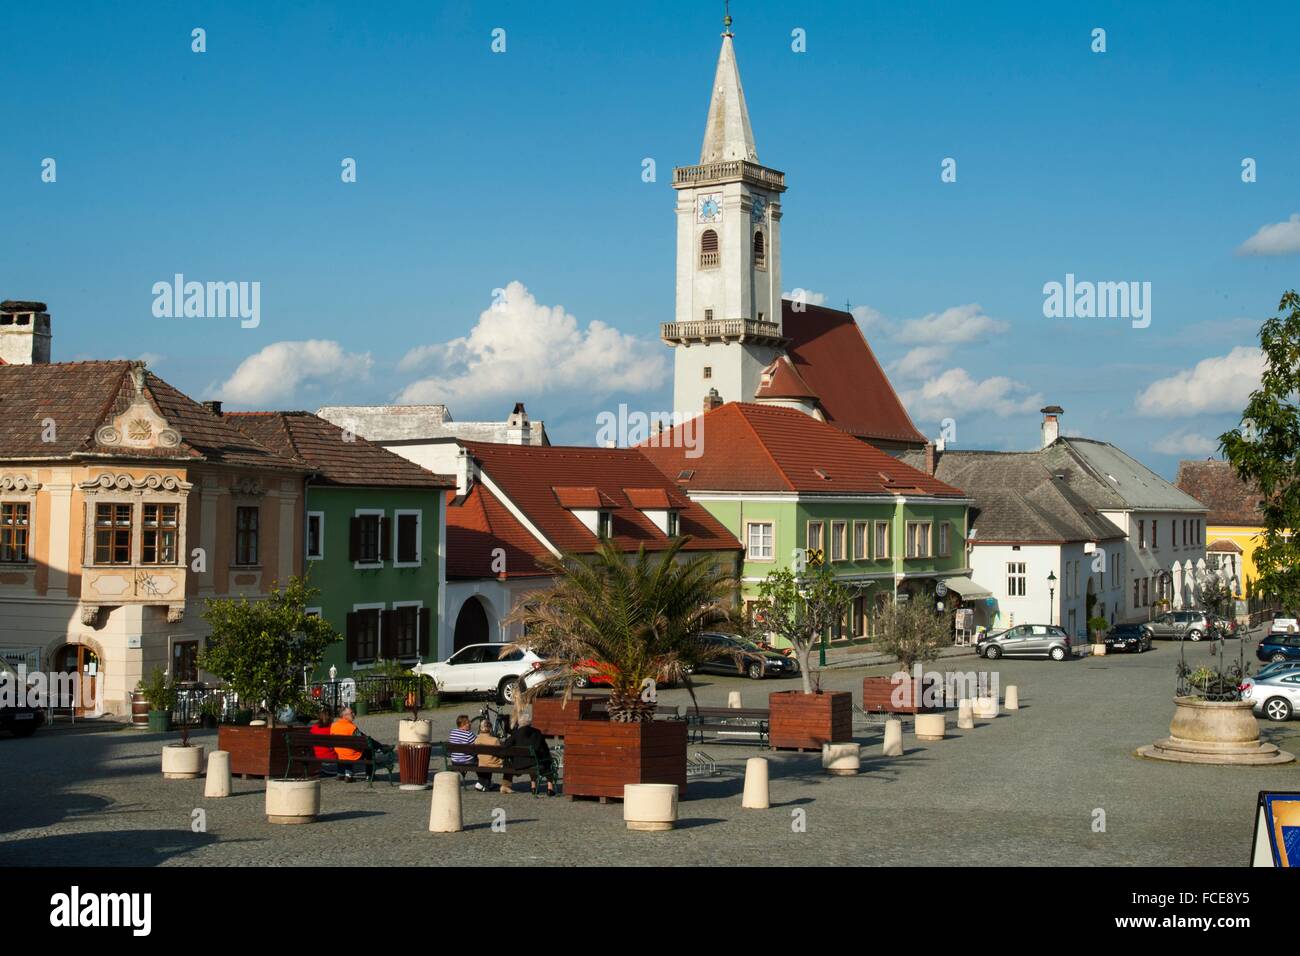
[480, 669]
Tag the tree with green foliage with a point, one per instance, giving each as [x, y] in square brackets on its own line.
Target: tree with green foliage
[263, 648]
[1265, 452]
[912, 631]
[801, 609]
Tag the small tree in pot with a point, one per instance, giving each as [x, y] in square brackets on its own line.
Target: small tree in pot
[801, 609]
[160, 692]
[913, 633]
[1098, 626]
[262, 648]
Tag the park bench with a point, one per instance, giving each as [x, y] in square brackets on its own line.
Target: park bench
[729, 722]
[302, 745]
[518, 761]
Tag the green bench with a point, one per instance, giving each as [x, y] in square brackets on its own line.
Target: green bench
[302, 746]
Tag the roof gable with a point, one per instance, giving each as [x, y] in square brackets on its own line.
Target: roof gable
[1229, 499]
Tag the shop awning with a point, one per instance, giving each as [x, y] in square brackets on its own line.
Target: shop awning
[968, 589]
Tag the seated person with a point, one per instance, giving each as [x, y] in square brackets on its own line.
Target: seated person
[486, 762]
[349, 759]
[526, 735]
[461, 734]
[322, 726]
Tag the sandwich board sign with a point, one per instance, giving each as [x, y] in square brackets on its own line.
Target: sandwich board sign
[1277, 829]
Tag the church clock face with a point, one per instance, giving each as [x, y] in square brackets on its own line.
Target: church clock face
[708, 208]
[759, 208]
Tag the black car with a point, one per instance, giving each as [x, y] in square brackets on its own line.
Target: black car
[733, 655]
[15, 716]
[1128, 637]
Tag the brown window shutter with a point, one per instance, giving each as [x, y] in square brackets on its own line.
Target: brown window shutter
[351, 635]
[354, 539]
[385, 539]
[426, 621]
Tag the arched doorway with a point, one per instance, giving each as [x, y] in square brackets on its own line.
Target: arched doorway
[82, 661]
[471, 625]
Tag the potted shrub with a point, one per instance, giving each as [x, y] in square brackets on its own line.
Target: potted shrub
[1098, 626]
[210, 711]
[913, 633]
[160, 692]
[638, 618]
[183, 761]
[800, 609]
[261, 650]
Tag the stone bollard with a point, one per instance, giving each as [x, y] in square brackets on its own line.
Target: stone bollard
[292, 801]
[733, 700]
[757, 794]
[650, 806]
[841, 760]
[893, 738]
[445, 815]
[218, 782]
[965, 715]
[1012, 699]
[182, 763]
[930, 727]
[986, 708]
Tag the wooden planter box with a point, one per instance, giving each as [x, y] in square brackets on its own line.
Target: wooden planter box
[878, 696]
[601, 756]
[553, 718]
[255, 751]
[802, 721]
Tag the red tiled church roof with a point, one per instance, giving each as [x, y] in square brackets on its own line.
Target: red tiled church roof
[832, 357]
[780, 380]
[748, 447]
[477, 526]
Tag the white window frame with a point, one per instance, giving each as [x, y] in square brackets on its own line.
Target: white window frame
[1017, 571]
[842, 538]
[419, 534]
[750, 555]
[914, 537]
[875, 540]
[863, 553]
[379, 562]
[307, 555]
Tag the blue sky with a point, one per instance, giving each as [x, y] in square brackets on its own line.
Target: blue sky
[476, 170]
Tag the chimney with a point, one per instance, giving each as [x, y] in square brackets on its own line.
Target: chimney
[712, 400]
[465, 472]
[213, 407]
[518, 427]
[24, 333]
[931, 458]
[1051, 423]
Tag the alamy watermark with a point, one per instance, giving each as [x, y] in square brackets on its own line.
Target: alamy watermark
[38, 689]
[1100, 300]
[208, 300]
[626, 429]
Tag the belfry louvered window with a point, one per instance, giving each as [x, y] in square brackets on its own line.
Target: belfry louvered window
[709, 249]
[760, 250]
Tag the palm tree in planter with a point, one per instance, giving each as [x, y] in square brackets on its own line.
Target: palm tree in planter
[261, 650]
[636, 619]
[800, 609]
[912, 632]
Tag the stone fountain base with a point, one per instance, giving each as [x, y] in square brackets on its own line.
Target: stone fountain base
[1215, 732]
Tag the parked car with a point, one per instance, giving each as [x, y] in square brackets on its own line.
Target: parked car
[1026, 640]
[17, 718]
[1276, 697]
[1177, 625]
[601, 673]
[480, 669]
[1284, 623]
[1276, 667]
[755, 662]
[1127, 637]
[1279, 647]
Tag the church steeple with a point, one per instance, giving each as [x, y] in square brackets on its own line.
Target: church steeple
[727, 134]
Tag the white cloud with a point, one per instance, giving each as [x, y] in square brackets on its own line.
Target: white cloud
[520, 346]
[1186, 443]
[868, 318]
[1219, 384]
[1275, 239]
[955, 393]
[960, 324]
[920, 362]
[807, 296]
[276, 372]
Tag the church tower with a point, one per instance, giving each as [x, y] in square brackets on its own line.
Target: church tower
[728, 318]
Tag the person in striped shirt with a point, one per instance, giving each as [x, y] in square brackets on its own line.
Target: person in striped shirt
[461, 734]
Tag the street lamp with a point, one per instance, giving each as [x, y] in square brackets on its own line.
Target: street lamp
[1051, 597]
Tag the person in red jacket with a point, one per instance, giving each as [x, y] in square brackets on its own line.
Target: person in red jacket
[322, 726]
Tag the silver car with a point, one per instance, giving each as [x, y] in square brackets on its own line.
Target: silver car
[1276, 697]
[1026, 640]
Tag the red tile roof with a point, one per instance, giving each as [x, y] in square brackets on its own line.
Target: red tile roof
[748, 447]
[1214, 484]
[82, 396]
[528, 474]
[588, 497]
[833, 358]
[780, 380]
[653, 499]
[479, 524]
[336, 461]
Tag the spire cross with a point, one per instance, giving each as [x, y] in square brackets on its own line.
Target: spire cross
[726, 19]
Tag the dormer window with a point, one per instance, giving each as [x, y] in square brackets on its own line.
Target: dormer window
[604, 522]
[674, 524]
[590, 505]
